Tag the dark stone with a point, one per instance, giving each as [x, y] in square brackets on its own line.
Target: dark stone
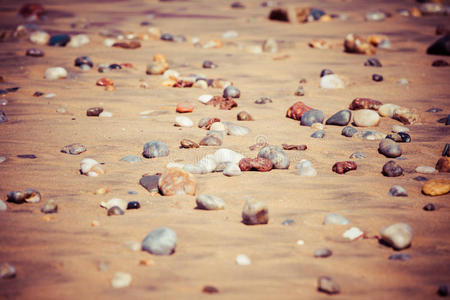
[237, 5]
[372, 62]
[209, 289]
[59, 40]
[279, 14]
[207, 64]
[167, 37]
[263, 100]
[94, 111]
[400, 137]
[440, 47]
[115, 211]
[83, 60]
[260, 164]
[323, 252]
[440, 63]
[391, 169]
[3, 92]
[312, 116]
[133, 205]
[38, 94]
[434, 110]
[30, 156]
[400, 256]
[115, 67]
[150, 183]
[443, 290]
[420, 178]
[316, 13]
[288, 222]
[377, 77]
[231, 91]
[325, 72]
[349, 131]
[13, 89]
[132, 193]
[341, 118]
[342, 167]
[446, 150]
[294, 147]
[319, 134]
[429, 207]
[406, 138]
[34, 52]
[3, 117]
[32, 11]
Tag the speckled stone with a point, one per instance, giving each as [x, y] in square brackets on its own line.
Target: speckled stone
[155, 149]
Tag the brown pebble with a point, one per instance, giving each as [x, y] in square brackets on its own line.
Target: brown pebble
[258, 164]
[365, 103]
[94, 111]
[223, 103]
[297, 110]
[185, 143]
[443, 164]
[392, 169]
[294, 147]
[104, 82]
[127, 45]
[244, 116]
[344, 166]
[209, 289]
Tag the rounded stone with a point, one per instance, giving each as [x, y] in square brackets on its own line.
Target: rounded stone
[358, 154]
[155, 149]
[331, 81]
[121, 280]
[387, 110]
[325, 72]
[132, 159]
[176, 181]
[231, 91]
[59, 40]
[232, 169]
[211, 140]
[244, 116]
[133, 205]
[341, 118]
[319, 134]
[335, 219]
[276, 155]
[436, 187]
[389, 148]
[312, 116]
[255, 212]
[161, 241]
[263, 100]
[398, 191]
[34, 52]
[377, 77]
[83, 60]
[74, 149]
[115, 211]
[323, 252]
[207, 64]
[392, 169]
[209, 202]
[182, 121]
[348, 131]
[50, 207]
[443, 165]
[7, 271]
[327, 285]
[55, 73]
[429, 207]
[398, 236]
[366, 118]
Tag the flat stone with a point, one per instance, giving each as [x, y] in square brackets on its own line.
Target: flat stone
[371, 135]
[155, 149]
[323, 252]
[3, 206]
[425, 170]
[74, 149]
[150, 183]
[222, 102]
[318, 134]
[399, 128]
[288, 222]
[400, 256]
[358, 154]
[186, 143]
[440, 46]
[243, 260]
[132, 159]
[255, 164]
[232, 169]
[436, 187]
[210, 141]
[209, 202]
[161, 241]
[446, 150]
[176, 181]
[255, 212]
[406, 116]
[55, 73]
[276, 155]
[209, 289]
[443, 290]
[327, 285]
[398, 191]
[398, 236]
[183, 121]
[311, 116]
[372, 62]
[389, 148]
[263, 100]
[237, 130]
[420, 178]
[353, 233]
[348, 131]
[335, 219]
[341, 118]
[244, 116]
[34, 52]
[392, 169]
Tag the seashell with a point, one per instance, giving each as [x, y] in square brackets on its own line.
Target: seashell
[236, 130]
[91, 167]
[208, 163]
[205, 98]
[226, 155]
[122, 204]
[218, 126]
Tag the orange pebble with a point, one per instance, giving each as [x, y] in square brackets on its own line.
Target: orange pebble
[159, 58]
[104, 82]
[185, 108]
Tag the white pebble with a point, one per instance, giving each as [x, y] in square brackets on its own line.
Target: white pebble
[218, 126]
[171, 74]
[78, 40]
[425, 169]
[121, 280]
[40, 37]
[232, 169]
[331, 81]
[114, 202]
[183, 121]
[3, 206]
[243, 260]
[109, 42]
[353, 233]
[300, 242]
[205, 98]
[105, 114]
[49, 95]
[91, 167]
[399, 128]
[55, 73]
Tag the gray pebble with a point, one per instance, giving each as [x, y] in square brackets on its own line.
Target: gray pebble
[288, 222]
[398, 191]
[115, 211]
[209, 202]
[150, 183]
[263, 100]
[335, 219]
[74, 149]
[231, 91]
[276, 155]
[389, 148]
[312, 116]
[323, 252]
[131, 159]
[391, 169]
[341, 118]
[300, 91]
[349, 131]
[319, 134]
[210, 140]
[50, 207]
[327, 285]
[400, 256]
[398, 235]
[161, 241]
[155, 149]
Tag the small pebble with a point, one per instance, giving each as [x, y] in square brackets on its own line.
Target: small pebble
[446, 150]
[366, 118]
[335, 219]
[232, 169]
[398, 236]
[327, 285]
[115, 211]
[209, 289]
[372, 62]
[325, 72]
[440, 63]
[389, 148]
[34, 52]
[255, 212]
[133, 205]
[353, 233]
[83, 60]
[7, 271]
[74, 149]
[341, 118]
[420, 178]
[94, 111]
[29, 196]
[399, 128]
[3, 117]
[263, 100]
[443, 290]
[154, 149]
[358, 154]
[209, 202]
[288, 222]
[323, 252]
[300, 91]
[121, 280]
[398, 191]
[182, 121]
[3, 206]
[55, 73]
[231, 91]
[59, 40]
[243, 260]
[319, 134]
[331, 81]
[29, 156]
[400, 256]
[434, 110]
[132, 159]
[392, 169]
[425, 170]
[312, 116]
[161, 241]
[207, 64]
[244, 116]
[50, 207]
[377, 77]
[185, 143]
[348, 131]
[276, 155]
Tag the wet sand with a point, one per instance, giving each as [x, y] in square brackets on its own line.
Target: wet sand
[59, 258]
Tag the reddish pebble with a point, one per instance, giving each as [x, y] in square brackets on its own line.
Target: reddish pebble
[224, 103]
[209, 289]
[344, 166]
[104, 82]
[258, 164]
[365, 103]
[127, 65]
[185, 108]
[297, 110]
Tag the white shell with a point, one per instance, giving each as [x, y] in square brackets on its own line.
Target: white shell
[353, 233]
[39, 37]
[121, 280]
[304, 163]
[109, 42]
[243, 260]
[208, 163]
[115, 202]
[194, 169]
[105, 114]
[232, 169]
[307, 171]
[183, 121]
[91, 167]
[78, 40]
[331, 81]
[237, 130]
[205, 98]
[226, 155]
[55, 73]
[218, 126]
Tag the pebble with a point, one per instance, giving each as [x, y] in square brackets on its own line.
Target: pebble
[325, 72]
[29, 156]
[366, 118]
[3, 117]
[3, 206]
[94, 111]
[443, 165]
[436, 187]
[121, 280]
[312, 116]
[132, 159]
[207, 163]
[344, 166]
[377, 77]
[305, 168]
[365, 103]
[341, 118]
[209, 202]
[288, 222]
[429, 207]
[231, 91]
[406, 116]
[74, 149]
[185, 143]
[236, 130]
[255, 212]
[335, 219]
[91, 167]
[446, 150]
[244, 116]
[40, 37]
[443, 290]
[83, 60]
[399, 128]
[176, 181]
[161, 241]
[300, 91]
[155, 149]
[223, 103]
[230, 34]
[55, 73]
[232, 169]
[387, 110]
[295, 147]
[114, 202]
[157, 68]
[331, 81]
[270, 46]
[398, 191]
[440, 46]
[211, 141]
[182, 121]
[372, 62]
[420, 178]
[401, 137]
[115, 211]
[218, 126]
[371, 135]
[243, 260]
[226, 155]
[398, 236]
[323, 252]
[78, 40]
[257, 164]
[29, 196]
[7, 271]
[205, 98]
[263, 100]
[425, 170]
[356, 44]
[133, 205]
[353, 233]
[2, 159]
[348, 131]
[376, 16]
[150, 182]
[319, 134]
[209, 289]
[327, 285]
[34, 52]
[276, 155]
[207, 64]
[297, 110]
[440, 63]
[400, 256]
[50, 207]
[389, 148]
[59, 40]
[392, 169]
[105, 114]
